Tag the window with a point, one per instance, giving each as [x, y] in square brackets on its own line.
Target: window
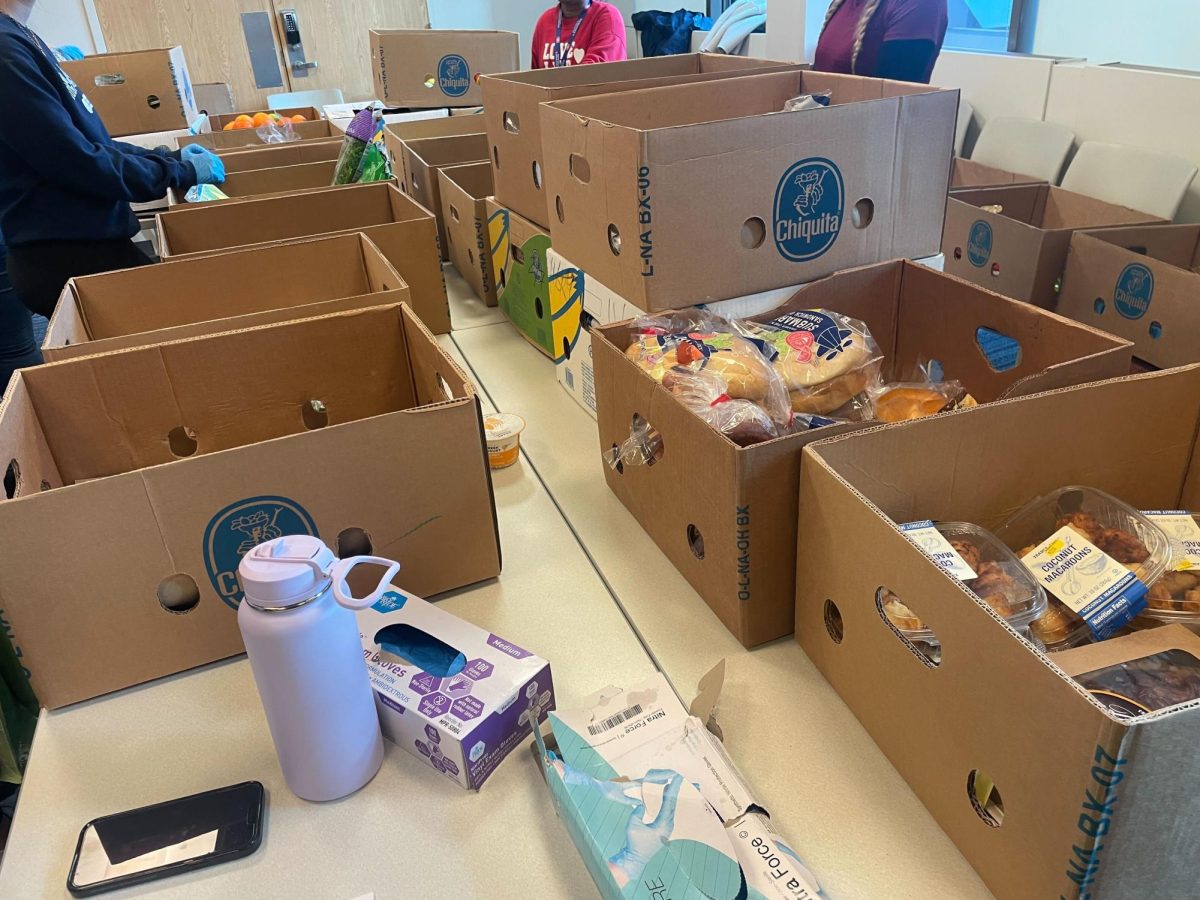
[989, 25]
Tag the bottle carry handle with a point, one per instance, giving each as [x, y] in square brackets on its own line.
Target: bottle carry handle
[341, 590]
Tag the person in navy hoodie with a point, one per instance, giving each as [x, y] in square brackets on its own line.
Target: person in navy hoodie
[65, 185]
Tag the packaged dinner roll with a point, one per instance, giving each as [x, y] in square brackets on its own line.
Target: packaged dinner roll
[827, 361]
[673, 347]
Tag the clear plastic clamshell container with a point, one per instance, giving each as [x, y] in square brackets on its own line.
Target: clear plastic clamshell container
[1002, 582]
[1175, 597]
[1113, 526]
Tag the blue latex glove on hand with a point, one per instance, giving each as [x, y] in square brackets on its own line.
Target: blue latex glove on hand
[209, 167]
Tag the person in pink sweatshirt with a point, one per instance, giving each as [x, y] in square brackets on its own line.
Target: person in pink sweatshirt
[575, 32]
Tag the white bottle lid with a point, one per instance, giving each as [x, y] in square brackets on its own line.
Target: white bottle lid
[285, 571]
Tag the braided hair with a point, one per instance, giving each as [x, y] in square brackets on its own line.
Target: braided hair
[860, 33]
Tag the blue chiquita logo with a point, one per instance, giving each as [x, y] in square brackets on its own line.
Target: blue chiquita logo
[1135, 288]
[454, 75]
[979, 244]
[240, 527]
[810, 203]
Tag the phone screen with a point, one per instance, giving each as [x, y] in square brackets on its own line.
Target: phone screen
[190, 832]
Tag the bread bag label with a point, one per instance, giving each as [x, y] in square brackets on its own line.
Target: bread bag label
[1103, 592]
[934, 543]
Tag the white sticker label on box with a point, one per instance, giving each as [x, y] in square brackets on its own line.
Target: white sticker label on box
[1089, 581]
[1181, 527]
[933, 542]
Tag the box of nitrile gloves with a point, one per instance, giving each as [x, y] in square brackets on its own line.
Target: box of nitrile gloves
[450, 693]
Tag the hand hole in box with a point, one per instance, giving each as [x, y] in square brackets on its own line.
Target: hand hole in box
[496, 156]
[1156, 330]
[354, 542]
[566, 354]
[558, 209]
[12, 479]
[471, 256]
[182, 441]
[537, 174]
[501, 279]
[958, 252]
[614, 239]
[454, 213]
[45, 486]
[1002, 352]
[178, 594]
[152, 101]
[538, 309]
[1099, 306]
[995, 270]
[444, 387]
[833, 622]
[580, 168]
[863, 213]
[912, 631]
[430, 82]
[985, 798]
[754, 232]
[695, 541]
[512, 123]
[518, 255]
[314, 414]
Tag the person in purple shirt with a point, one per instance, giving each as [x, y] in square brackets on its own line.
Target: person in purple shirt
[897, 39]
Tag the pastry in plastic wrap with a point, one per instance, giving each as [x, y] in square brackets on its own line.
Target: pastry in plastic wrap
[905, 402]
[824, 358]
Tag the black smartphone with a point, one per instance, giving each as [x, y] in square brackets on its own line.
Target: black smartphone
[167, 838]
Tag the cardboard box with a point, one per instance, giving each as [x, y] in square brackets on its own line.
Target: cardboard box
[464, 192]
[274, 180]
[575, 371]
[214, 98]
[462, 719]
[157, 468]
[545, 308]
[629, 750]
[136, 93]
[968, 174]
[310, 113]
[513, 120]
[1140, 283]
[183, 298]
[247, 159]
[422, 160]
[424, 67]
[710, 190]
[248, 137]
[1093, 806]
[1021, 250]
[395, 136]
[722, 514]
[402, 229]
[168, 139]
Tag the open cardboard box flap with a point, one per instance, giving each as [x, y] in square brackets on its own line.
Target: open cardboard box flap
[1059, 759]
[149, 471]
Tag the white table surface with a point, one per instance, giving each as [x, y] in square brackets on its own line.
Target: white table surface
[582, 586]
